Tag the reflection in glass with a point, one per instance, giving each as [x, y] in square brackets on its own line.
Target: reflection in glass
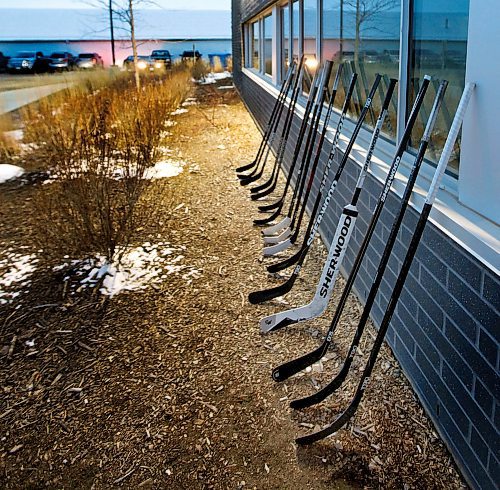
[310, 33]
[438, 48]
[254, 36]
[364, 34]
[295, 29]
[285, 39]
[268, 45]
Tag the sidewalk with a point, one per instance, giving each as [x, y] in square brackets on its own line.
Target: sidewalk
[11, 100]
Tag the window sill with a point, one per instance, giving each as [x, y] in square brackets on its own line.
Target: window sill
[469, 229]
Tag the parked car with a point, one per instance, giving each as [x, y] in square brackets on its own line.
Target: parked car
[455, 58]
[370, 56]
[143, 63]
[391, 55]
[3, 62]
[89, 61]
[28, 61]
[190, 55]
[161, 59]
[426, 58]
[61, 60]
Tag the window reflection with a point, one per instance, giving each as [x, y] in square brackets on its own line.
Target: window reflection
[268, 45]
[310, 34]
[254, 36]
[438, 48]
[285, 39]
[364, 34]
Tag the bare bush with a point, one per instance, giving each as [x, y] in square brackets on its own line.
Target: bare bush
[100, 142]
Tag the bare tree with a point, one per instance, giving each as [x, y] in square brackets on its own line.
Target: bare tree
[366, 10]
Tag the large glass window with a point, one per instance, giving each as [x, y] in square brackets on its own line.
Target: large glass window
[438, 48]
[310, 34]
[364, 34]
[255, 49]
[295, 29]
[268, 45]
[285, 39]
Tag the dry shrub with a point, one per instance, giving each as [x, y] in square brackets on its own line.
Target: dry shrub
[9, 148]
[100, 142]
[200, 69]
[218, 66]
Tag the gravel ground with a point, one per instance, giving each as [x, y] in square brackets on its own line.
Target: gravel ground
[170, 387]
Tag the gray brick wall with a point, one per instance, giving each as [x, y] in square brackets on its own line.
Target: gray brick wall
[445, 332]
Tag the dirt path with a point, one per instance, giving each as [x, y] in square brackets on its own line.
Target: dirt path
[171, 387]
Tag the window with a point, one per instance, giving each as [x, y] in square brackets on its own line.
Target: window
[365, 36]
[296, 51]
[285, 39]
[254, 39]
[438, 48]
[268, 44]
[310, 34]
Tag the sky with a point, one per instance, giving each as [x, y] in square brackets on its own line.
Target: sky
[164, 4]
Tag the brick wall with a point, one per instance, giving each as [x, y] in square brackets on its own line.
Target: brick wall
[446, 329]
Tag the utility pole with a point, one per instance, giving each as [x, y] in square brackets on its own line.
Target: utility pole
[112, 31]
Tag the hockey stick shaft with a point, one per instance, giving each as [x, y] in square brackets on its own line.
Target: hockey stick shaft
[403, 274]
[338, 246]
[300, 363]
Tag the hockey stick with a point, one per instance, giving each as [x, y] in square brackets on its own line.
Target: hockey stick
[317, 216]
[338, 245]
[272, 119]
[339, 379]
[307, 156]
[345, 416]
[257, 172]
[271, 230]
[267, 187]
[274, 249]
[278, 205]
[292, 367]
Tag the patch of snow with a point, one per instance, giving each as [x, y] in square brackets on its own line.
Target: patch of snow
[139, 268]
[15, 271]
[226, 87]
[188, 102]
[179, 111]
[221, 147]
[9, 172]
[16, 134]
[214, 77]
[168, 123]
[165, 169]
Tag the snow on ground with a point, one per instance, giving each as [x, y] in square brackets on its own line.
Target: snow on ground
[213, 77]
[9, 172]
[15, 271]
[140, 267]
[226, 87]
[190, 101]
[16, 134]
[178, 111]
[165, 169]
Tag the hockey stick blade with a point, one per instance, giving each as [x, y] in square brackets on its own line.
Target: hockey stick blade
[272, 230]
[277, 326]
[272, 240]
[337, 424]
[257, 297]
[324, 393]
[261, 187]
[269, 207]
[276, 249]
[279, 266]
[248, 166]
[287, 369]
[249, 180]
[265, 193]
[269, 219]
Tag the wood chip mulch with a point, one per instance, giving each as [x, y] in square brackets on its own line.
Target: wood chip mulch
[170, 387]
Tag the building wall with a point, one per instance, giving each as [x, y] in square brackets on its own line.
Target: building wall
[122, 48]
[445, 332]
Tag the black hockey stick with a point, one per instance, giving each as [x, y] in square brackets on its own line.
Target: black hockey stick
[267, 187]
[293, 367]
[317, 216]
[279, 226]
[306, 159]
[345, 416]
[338, 246]
[339, 379]
[258, 170]
[278, 205]
[271, 121]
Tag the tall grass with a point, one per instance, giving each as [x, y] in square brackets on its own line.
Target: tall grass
[99, 138]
